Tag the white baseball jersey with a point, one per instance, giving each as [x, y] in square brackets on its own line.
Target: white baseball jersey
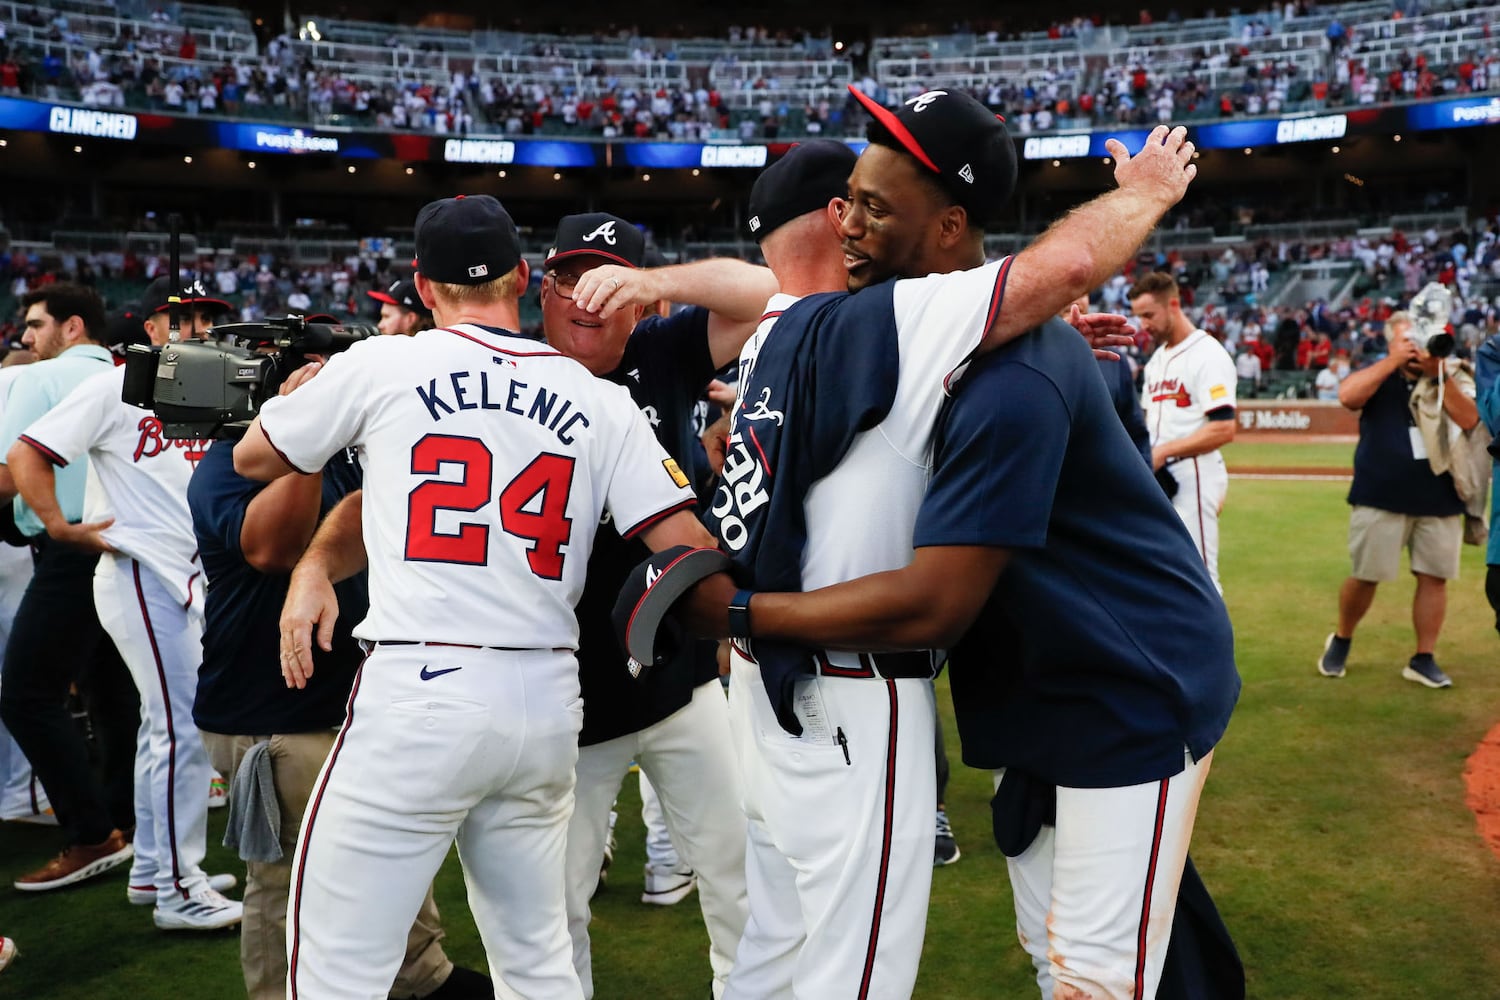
[488, 461]
[137, 477]
[940, 320]
[1183, 383]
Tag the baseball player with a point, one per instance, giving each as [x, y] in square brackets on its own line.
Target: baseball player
[401, 309]
[676, 724]
[1110, 727]
[1188, 396]
[488, 463]
[149, 593]
[838, 909]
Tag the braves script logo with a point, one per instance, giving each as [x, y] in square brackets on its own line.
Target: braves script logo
[606, 232]
[152, 443]
[1171, 390]
[922, 101]
[762, 410]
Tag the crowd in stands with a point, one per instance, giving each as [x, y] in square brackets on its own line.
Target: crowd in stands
[160, 66]
[1227, 292]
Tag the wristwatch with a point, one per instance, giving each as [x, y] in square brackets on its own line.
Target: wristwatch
[739, 614]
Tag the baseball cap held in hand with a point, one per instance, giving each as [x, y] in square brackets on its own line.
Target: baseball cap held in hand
[806, 179]
[960, 141]
[598, 234]
[467, 240]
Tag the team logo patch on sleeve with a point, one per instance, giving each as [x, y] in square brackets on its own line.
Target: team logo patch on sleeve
[1218, 392]
[675, 471]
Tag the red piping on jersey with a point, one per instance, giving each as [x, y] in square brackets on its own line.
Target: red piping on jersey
[281, 454]
[759, 450]
[865, 670]
[997, 296]
[47, 453]
[501, 350]
[771, 315]
[307, 831]
[1140, 940]
[888, 821]
[166, 701]
[687, 504]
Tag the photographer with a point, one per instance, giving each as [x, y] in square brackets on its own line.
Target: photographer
[250, 534]
[1398, 500]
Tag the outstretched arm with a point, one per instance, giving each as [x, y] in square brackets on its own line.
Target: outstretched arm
[733, 291]
[927, 604]
[1093, 242]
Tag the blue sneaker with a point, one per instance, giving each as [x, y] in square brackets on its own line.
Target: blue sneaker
[1335, 652]
[1423, 669]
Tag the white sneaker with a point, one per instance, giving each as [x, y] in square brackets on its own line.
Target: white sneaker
[7, 951]
[203, 910]
[144, 893]
[668, 888]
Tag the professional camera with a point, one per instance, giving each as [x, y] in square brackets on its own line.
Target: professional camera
[208, 389]
[1431, 308]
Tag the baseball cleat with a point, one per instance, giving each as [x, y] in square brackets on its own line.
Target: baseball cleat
[7, 951]
[1335, 652]
[668, 888]
[945, 848]
[145, 893]
[77, 863]
[1423, 669]
[202, 910]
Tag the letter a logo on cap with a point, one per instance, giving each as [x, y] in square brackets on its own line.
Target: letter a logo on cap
[606, 230]
[921, 101]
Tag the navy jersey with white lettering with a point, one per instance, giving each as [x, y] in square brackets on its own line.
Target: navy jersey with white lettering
[830, 444]
[1104, 649]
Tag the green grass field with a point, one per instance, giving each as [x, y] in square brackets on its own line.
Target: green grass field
[1333, 831]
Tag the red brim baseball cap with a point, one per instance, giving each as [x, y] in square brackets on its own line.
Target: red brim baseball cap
[957, 139]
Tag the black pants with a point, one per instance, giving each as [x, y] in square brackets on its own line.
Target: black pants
[56, 642]
[1492, 591]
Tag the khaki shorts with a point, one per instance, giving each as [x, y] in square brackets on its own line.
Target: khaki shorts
[1376, 538]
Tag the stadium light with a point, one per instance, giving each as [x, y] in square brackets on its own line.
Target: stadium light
[4, 143]
[556, 175]
[1107, 161]
[251, 164]
[187, 159]
[409, 171]
[77, 149]
[838, 46]
[1396, 138]
[696, 171]
[501, 175]
[1248, 150]
[309, 32]
[645, 177]
[351, 168]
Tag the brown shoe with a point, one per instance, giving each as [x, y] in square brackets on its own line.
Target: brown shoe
[79, 862]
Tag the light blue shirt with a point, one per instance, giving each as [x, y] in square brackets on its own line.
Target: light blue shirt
[37, 389]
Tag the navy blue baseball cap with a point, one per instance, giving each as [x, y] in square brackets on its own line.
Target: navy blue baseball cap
[402, 293]
[598, 234]
[955, 138]
[154, 298]
[807, 178]
[467, 240]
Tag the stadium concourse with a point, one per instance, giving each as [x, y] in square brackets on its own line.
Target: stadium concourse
[1344, 157]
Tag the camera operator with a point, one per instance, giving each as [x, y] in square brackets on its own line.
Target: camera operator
[249, 536]
[56, 639]
[148, 592]
[1398, 500]
[402, 311]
